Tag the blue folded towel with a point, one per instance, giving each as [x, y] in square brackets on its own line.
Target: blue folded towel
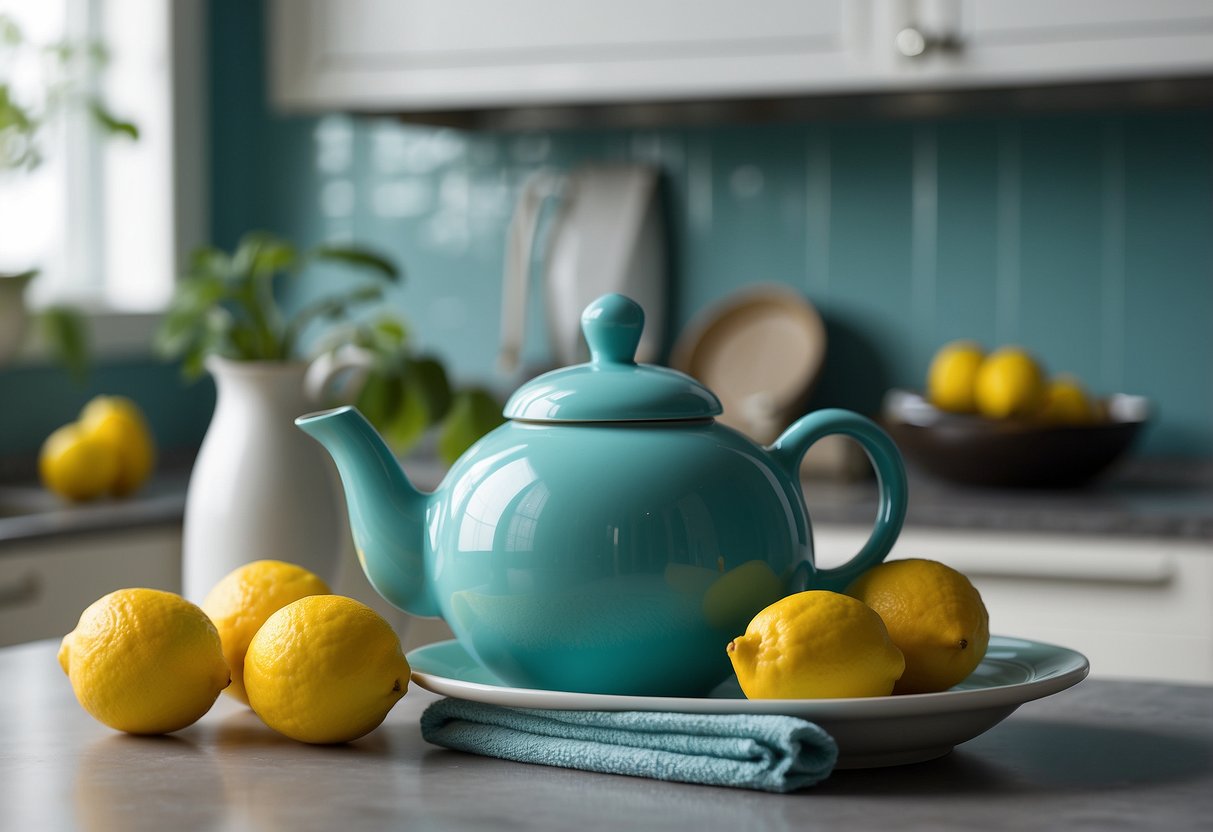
[751, 751]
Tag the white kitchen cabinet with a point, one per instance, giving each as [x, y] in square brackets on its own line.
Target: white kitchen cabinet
[419, 55]
[977, 43]
[1136, 607]
[46, 583]
[433, 54]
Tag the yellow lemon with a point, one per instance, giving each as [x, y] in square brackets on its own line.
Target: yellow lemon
[1009, 384]
[935, 616]
[1067, 403]
[76, 465]
[952, 376]
[119, 423]
[242, 601]
[144, 661]
[325, 669]
[815, 645]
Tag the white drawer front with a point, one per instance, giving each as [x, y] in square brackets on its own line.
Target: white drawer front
[1137, 608]
[45, 585]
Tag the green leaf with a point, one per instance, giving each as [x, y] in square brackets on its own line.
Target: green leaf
[66, 334]
[391, 333]
[381, 398]
[261, 254]
[18, 133]
[175, 335]
[245, 342]
[200, 293]
[98, 53]
[193, 363]
[110, 123]
[427, 380]
[275, 258]
[208, 261]
[10, 31]
[474, 412]
[355, 256]
[60, 51]
[188, 318]
[410, 420]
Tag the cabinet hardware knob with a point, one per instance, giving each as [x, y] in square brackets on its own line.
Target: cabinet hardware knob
[912, 42]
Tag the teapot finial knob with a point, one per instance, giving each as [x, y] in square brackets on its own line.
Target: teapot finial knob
[612, 326]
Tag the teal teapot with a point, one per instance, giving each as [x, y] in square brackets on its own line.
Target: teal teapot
[611, 537]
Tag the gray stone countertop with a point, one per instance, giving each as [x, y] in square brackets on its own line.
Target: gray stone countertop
[29, 511]
[1146, 498]
[1103, 755]
[1162, 498]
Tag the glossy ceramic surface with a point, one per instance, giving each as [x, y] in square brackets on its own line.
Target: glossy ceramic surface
[612, 387]
[880, 731]
[607, 556]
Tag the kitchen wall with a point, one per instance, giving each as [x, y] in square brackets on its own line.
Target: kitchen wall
[1086, 238]
[35, 399]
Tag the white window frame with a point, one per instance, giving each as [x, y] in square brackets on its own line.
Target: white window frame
[116, 334]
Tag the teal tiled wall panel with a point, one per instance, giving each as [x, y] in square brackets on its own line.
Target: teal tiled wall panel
[36, 400]
[1085, 238]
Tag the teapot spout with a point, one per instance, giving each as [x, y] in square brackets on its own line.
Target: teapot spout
[387, 514]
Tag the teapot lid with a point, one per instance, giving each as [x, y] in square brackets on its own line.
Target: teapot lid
[611, 386]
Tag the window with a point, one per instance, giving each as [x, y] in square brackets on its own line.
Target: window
[106, 220]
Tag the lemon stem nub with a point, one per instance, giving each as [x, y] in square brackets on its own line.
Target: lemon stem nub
[964, 642]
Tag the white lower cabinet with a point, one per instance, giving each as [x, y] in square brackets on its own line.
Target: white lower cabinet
[45, 584]
[1136, 607]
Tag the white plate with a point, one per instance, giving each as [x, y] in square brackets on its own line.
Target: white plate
[879, 731]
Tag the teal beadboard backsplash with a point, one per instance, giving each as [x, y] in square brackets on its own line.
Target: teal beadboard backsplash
[1088, 239]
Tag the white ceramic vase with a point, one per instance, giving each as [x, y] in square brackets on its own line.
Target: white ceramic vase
[260, 487]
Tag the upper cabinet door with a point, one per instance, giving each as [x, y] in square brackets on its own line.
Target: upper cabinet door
[438, 54]
[969, 43]
[417, 55]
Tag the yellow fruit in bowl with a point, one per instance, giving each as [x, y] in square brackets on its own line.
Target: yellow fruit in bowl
[1010, 384]
[242, 601]
[325, 669]
[815, 645]
[144, 661]
[1067, 403]
[118, 422]
[77, 465]
[952, 376]
[934, 615]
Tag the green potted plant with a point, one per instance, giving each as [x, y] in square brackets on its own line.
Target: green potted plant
[261, 488]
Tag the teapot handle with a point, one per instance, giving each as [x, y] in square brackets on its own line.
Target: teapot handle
[788, 451]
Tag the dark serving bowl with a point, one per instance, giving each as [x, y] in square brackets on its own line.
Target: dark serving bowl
[978, 451]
